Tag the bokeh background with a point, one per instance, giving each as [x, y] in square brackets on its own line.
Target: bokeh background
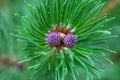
[11, 51]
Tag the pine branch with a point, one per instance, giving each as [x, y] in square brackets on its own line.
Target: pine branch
[64, 36]
[8, 62]
[112, 4]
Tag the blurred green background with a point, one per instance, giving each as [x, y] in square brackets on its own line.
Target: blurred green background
[11, 51]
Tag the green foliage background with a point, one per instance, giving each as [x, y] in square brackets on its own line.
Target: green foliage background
[11, 49]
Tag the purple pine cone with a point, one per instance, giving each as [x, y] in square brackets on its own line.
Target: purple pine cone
[70, 40]
[53, 39]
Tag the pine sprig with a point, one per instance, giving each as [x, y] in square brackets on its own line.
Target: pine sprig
[76, 17]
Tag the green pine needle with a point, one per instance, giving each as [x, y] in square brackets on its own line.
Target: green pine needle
[82, 17]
